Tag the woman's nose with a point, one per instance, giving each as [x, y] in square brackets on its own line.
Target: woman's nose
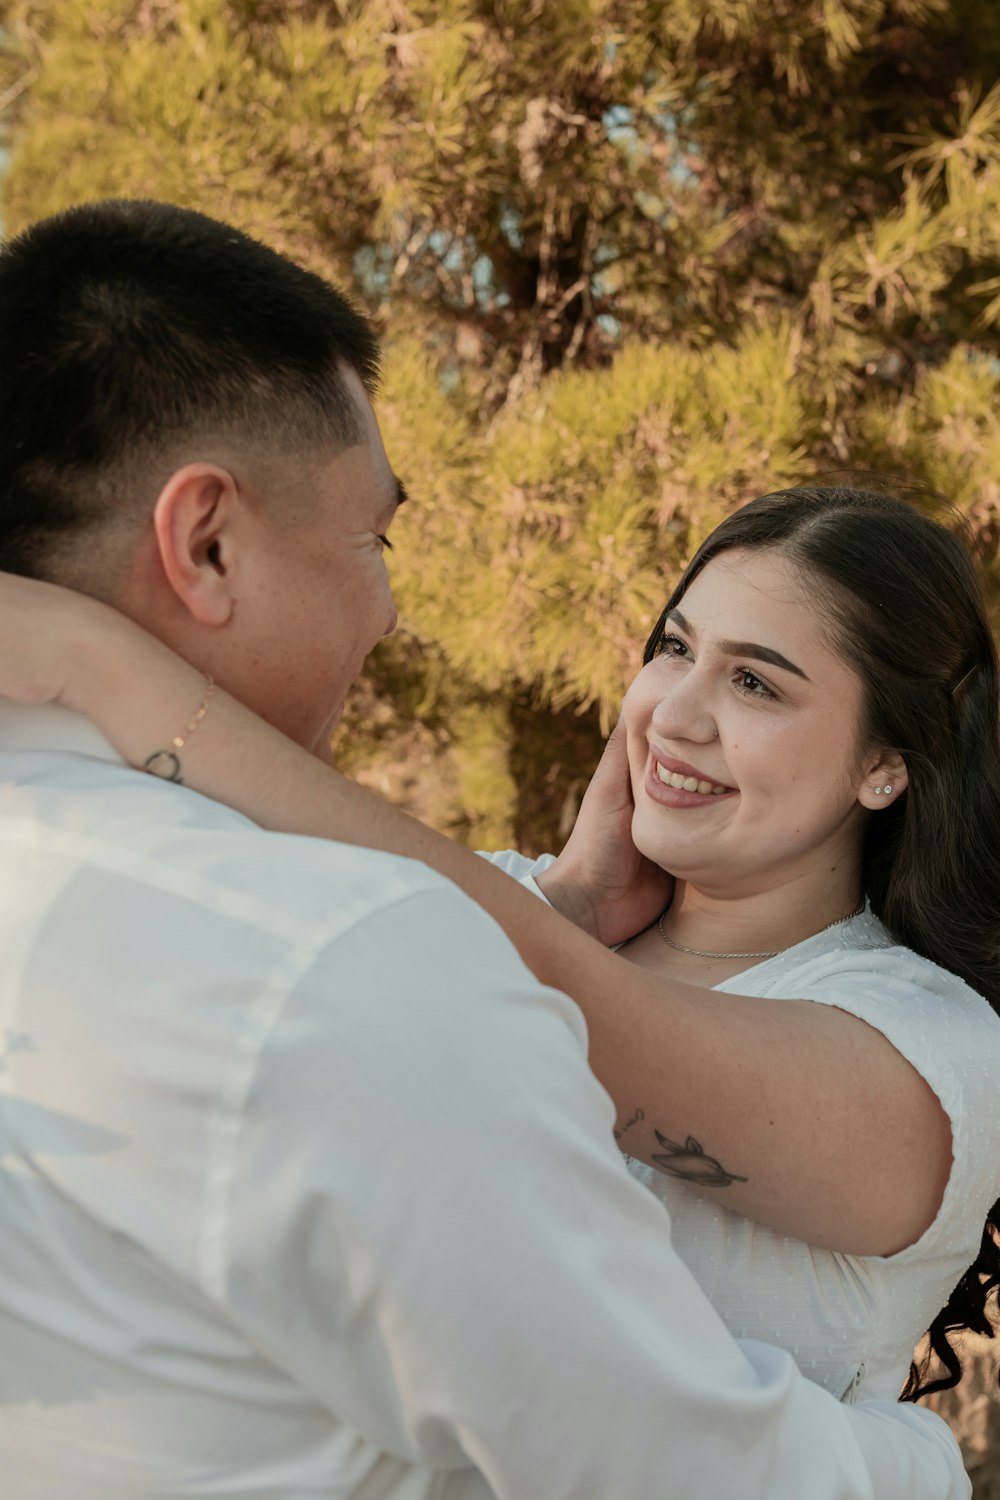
[683, 711]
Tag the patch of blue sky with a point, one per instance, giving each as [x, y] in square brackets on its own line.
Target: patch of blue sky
[373, 266]
[510, 228]
[619, 123]
[622, 130]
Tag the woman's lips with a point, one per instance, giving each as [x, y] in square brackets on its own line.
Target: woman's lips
[674, 783]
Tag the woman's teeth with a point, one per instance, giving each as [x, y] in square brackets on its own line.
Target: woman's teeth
[688, 783]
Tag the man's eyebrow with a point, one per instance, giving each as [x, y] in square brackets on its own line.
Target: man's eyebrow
[398, 497]
[749, 649]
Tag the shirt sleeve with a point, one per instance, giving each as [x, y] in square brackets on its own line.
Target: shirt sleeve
[430, 1226]
[522, 868]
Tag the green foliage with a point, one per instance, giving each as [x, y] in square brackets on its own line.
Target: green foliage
[633, 264]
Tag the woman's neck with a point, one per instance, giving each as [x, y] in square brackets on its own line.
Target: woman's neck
[763, 922]
[733, 933]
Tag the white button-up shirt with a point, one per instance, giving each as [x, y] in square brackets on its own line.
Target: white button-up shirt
[307, 1190]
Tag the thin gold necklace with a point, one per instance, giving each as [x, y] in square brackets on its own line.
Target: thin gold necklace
[701, 953]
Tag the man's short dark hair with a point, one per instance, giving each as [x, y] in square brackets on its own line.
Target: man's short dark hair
[127, 325]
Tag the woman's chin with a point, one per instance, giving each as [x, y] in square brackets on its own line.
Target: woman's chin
[679, 856]
[681, 864]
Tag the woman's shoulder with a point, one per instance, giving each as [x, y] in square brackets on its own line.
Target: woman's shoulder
[947, 1032]
[862, 958]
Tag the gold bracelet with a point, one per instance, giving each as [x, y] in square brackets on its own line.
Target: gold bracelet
[166, 763]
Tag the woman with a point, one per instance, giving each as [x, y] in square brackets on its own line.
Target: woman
[797, 1046]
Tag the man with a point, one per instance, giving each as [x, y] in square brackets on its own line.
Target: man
[308, 1189]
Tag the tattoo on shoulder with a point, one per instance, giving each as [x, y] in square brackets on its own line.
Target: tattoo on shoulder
[691, 1163]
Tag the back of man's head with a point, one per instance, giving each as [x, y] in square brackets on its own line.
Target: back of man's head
[129, 329]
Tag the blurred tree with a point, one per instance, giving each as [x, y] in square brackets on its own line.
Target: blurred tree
[634, 262]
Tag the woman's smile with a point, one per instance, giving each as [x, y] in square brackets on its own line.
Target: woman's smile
[675, 783]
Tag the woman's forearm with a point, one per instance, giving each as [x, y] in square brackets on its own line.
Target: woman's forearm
[141, 695]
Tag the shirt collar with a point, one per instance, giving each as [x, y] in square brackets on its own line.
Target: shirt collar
[50, 727]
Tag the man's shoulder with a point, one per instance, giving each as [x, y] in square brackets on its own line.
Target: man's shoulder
[92, 815]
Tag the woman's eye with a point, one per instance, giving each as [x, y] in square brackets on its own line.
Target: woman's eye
[385, 542]
[751, 685]
[671, 645]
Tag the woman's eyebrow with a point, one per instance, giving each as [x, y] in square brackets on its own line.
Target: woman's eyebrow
[761, 653]
[745, 648]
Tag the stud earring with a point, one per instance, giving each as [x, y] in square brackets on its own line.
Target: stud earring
[880, 789]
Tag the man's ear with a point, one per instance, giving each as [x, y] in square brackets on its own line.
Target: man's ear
[885, 780]
[195, 519]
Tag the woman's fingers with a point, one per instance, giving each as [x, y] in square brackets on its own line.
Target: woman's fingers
[610, 788]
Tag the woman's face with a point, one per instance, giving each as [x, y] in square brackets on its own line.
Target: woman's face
[750, 708]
